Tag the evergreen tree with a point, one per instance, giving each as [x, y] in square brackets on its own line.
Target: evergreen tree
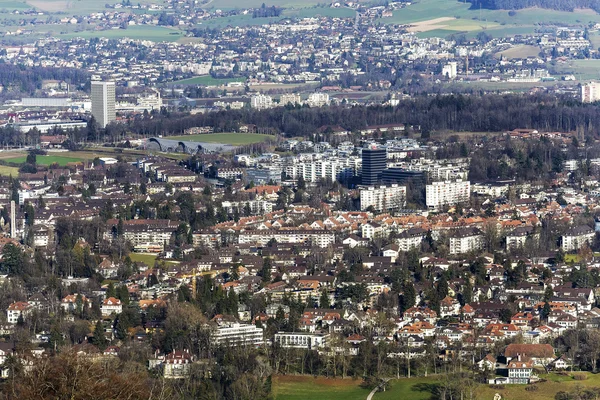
[99, 338]
[324, 299]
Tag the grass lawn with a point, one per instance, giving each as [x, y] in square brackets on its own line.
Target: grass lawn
[8, 171]
[235, 139]
[47, 160]
[571, 258]
[413, 389]
[582, 69]
[206, 81]
[309, 388]
[546, 390]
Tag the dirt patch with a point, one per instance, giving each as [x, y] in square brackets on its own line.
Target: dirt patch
[318, 381]
[429, 25]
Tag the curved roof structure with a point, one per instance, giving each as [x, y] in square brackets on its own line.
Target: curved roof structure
[186, 146]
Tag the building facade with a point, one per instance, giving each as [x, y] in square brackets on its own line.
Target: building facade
[103, 102]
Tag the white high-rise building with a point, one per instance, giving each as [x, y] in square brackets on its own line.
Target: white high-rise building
[440, 194]
[383, 198]
[290, 98]
[590, 92]
[318, 99]
[450, 70]
[103, 102]
[261, 102]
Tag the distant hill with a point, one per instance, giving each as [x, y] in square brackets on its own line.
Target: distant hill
[561, 5]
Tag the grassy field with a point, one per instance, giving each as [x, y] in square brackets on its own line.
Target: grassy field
[235, 139]
[47, 160]
[307, 388]
[495, 22]
[582, 69]
[522, 51]
[139, 32]
[206, 81]
[9, 171]
[304, 387]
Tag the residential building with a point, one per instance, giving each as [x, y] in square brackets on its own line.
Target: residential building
[177, 364]
[439, 194]
[17, 309]
[382, 198]
[590, 92]
[301, 340]
[577, 237]
[519, 371]
[110, 306]
[103, 102]
[261, 102]
[237, 334]
[466, 240]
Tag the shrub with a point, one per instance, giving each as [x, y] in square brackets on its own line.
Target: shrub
[498, 387]
[531, 388]
[512, 13]
[580, 377]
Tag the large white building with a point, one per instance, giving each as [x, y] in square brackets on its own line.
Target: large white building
[103, 102]
[440, 194]
[450, 70]
[382, 198]
[577, 237]
[466, 240]
[590, 92]
[301, 340]
[261, 102]
[290, 98]
[331, 169]
[235, 334]
[318, 99]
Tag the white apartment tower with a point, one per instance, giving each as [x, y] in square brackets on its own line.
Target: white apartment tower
[261, 102]
[383, 198]
[103, 102]
[440, 194]
[590, 92]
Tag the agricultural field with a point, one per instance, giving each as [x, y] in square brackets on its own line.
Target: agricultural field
[307, 387]
[73, 7]
[140, 32]
[582, 69]
[522, 51]
[234, 4]
[234, 139]
[147, 259]
[494, 22]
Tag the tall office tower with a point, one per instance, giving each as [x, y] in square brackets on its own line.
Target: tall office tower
[374, 161]
[103, 102]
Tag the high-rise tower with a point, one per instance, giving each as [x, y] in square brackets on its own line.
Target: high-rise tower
[374, 161]
[103, 102]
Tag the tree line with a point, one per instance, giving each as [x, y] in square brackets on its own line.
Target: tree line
[561, 5]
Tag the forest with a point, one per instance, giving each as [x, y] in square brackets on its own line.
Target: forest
[459, 113]
[561, 5]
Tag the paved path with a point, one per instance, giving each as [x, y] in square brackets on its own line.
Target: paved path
[370, 396]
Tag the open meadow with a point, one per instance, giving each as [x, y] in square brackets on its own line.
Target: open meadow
[449, 16]
[420, 388]
[235, 139]
[306, 387]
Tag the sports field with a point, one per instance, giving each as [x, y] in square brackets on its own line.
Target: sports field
[303, 388]
[235, 139]
[47, 160]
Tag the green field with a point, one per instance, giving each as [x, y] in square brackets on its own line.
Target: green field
[522, 51]
[47, 160]
[148, 259]
[206, 81]
[9, 171]
[582, 69]
[139, 32]
[495, 22]
[309, 388]
[306, 387]
[235, 139]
